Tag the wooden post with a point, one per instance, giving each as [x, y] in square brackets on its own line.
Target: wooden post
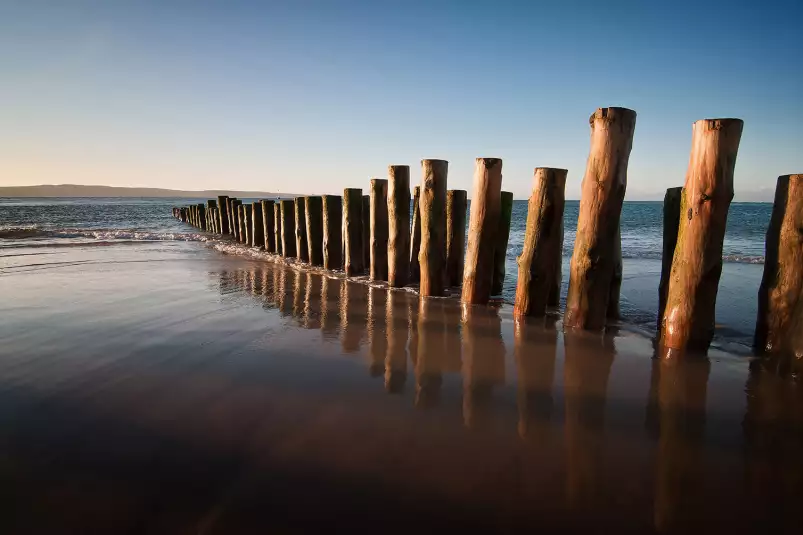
[502, 237]
[248, 223]
[223, 214]
[780, 297]
[277, 227]
[211, 204]
[332, 235]
[235, 219]
[268, 226]
[455, 235]
[398, 225]
[432, 258]
[616, 279]
[288, 229]
[483, 227]
[314, 210]
[378, 212]
[201, 216]
[415, 240]
[257, 225]
[302, 250]
[352, 228]
[232, 213]
[366, 232]
[697, 263]
[543, 242]
[603, 191]
[671, 224]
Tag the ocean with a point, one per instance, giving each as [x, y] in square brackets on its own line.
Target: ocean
[47, 223]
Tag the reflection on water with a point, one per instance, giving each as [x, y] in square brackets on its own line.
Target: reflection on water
[255, 404]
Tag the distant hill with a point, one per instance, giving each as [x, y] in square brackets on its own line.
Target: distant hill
[73, 190]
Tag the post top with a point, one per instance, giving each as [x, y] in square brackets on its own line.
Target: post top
[720, 123]
[612, 113]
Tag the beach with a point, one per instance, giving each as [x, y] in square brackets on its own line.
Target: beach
[182, 385]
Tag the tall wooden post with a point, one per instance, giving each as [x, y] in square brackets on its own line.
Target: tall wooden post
[780, 297]
[366, 232]
[352, 228]
[603, 191]
[199, 216]
[332, 232]
[671, 224]
[269, 226]
[288, 229]
[231, 214]
[277, 227]
[302, 250]
[502, 237]
[486, 205]
[257, 225]
[223, 214]
[378, 212]
[235, 219]
[432, 258]
[543, 242]
[314, 209]
[248, 222]
[455, 235]
[415, 236]
[697, 264]
[240, 223]
[398, 225]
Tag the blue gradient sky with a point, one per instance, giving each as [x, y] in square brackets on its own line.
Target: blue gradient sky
[304, 96]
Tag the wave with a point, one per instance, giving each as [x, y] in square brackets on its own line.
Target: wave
[105, 235]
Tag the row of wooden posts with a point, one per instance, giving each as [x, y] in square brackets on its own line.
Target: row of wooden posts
[375, 232]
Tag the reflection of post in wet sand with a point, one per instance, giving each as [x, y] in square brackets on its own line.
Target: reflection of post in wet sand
[282, 294]
[375, 324]
[311, 318]
[330, 306]
[396, 329]
[773, 437]
[587, 365]
[352, 315]
[483, 361]
[429, 361]
[299, 283]
[681, 398]
[535, 349]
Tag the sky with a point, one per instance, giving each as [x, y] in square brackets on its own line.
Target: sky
[315, 96]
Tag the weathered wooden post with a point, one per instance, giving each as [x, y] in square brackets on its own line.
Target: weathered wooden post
[671, 224]
[352, 227]
[231, 213]
[257, 225]
[332, 235]
[432, 258]
[268, 226]
[241, 223]
[201, 211]
[223, 214]
[366, 232]
[211, 204]
[248, 218]
[780, 297]
[697, 263]
[455, 235]
[543, 242]
[486, 204]
[277, 227]
[415, 236]
[288, 229]
[398, 225]
[302, 250]
[502, 237]
[314, 209]
[378, 212]
[603, 191]
[235, 219]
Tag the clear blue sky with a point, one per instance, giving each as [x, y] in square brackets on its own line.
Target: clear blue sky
[313, 96]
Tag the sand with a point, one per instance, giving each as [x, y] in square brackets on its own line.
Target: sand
[166, 388]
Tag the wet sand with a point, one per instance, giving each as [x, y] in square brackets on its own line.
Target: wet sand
[169, 389]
